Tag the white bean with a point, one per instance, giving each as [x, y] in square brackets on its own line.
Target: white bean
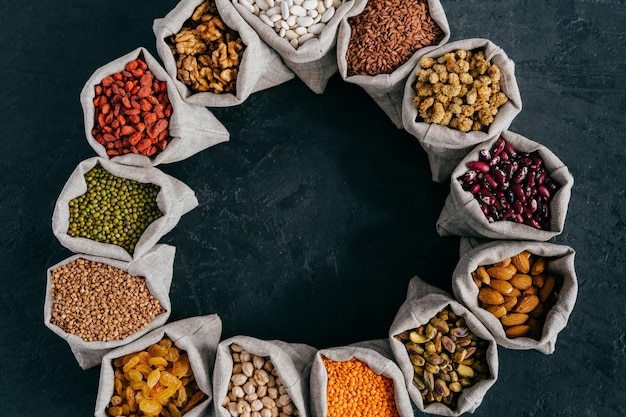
[337, 3]
[297, 10]
[283, 25]
[328, 3]
[312, 13]
[276, 18]
[317, 28]
[294, 43]
[292, 20]
[291, 35]
[301, 31]
[284, 10]
[304, 21]
[272, 11]
[247, 5]
[310, 4]
[270, 3]
[305, 38]
[328, 14]
[262, 4]
[265, 18]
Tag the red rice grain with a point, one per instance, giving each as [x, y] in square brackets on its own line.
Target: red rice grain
[387, 33]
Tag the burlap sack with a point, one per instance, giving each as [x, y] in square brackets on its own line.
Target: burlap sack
[260, 68]
[155, 266]
[315, 61]
[292, 362]
[560, 263]
[198, 336]
[462, 216]
[192, 128]
[377, 355]
[446, 146]
[423, 301]
[174, 200]
[387, 90]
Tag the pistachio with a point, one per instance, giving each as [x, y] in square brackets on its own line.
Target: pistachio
[448, 344]
[431, 331]
[441, 387]
[416, 360]
[418, 382]
[465, 371]
[417, 338]
[446, 357]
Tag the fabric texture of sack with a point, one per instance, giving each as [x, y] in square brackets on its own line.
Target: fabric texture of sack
[423, 302]
[292, 362]
[313, 62]
[377, 355]
[192, 128]
[560, 263]
[260, 67]
[446, 146]
[155, 266]
[387, 90]
[174, 200]
[462, 216]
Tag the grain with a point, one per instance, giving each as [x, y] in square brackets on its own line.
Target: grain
[354, 389]
[98, 302]
[387, 33]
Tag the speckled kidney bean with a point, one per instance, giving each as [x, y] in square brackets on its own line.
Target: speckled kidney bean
[511, 185]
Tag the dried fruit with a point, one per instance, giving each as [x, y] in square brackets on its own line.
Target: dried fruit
[132, 112]
[143, 383]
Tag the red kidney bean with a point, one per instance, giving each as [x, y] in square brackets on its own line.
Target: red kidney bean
[511, 185]
[478, 166]
[498, 147]
[491, 183]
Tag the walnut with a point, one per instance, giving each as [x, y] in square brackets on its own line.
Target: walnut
[207, 52]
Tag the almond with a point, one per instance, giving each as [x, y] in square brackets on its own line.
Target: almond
[527, 303]
[497, 311]
[513, 319]
[547, 288]
[499, 272]
[531, 290]
[537, 312]
[521, 281]
[503, 263]
[509, 302]
[517, 331]
[482, 274]
[490, 296]
[515, 292]
[503, 287]
[538, 280]
[476, 280]
[538, 266]
[521, 262]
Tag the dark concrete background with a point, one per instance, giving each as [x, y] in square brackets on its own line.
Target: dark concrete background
[316, 214]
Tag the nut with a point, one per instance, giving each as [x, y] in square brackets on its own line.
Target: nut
[440, 360]
[207, 52]
[526, 296]
[490, 296]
